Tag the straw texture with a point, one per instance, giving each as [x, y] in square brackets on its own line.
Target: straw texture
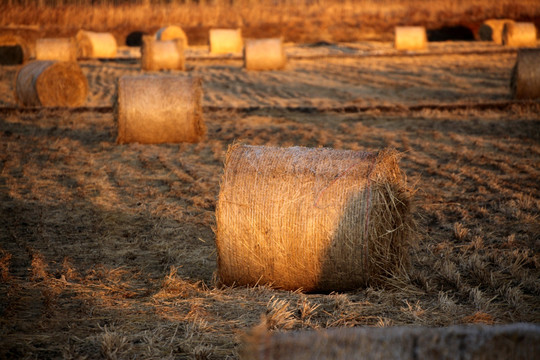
[410, 38]
[519, 34]
[224, 41]
[162, 55]
[95, 45]
[491, 30]
[61, 49]
[525, 79]
[465, 342]
[315, 219]
[264, 54]
[153, 109]
[14, 50]
[171, 33]
[51, 83]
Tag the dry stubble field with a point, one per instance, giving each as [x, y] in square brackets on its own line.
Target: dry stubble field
[107, 251]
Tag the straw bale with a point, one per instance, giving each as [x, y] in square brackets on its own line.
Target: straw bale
[518, 341]
[410, 38]
[224, 41]
[491, 30]
[525, 79]
[26, 36]
[264, 54]
[61, 49]
[161, 55]
[51, 83]
[316, 219]
[172, 32]
[95, 45]
[153, 109]
[519, 34]
[14, 50]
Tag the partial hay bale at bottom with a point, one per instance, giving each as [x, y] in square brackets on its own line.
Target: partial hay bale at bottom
[525, 79]
[61, 49]
[50, 84]
[410, 38]
[514, 341]
[153, 109]
[95, 45]
[172, 32]
[312, 219]
[264, 54]
[519, 34]
[14, 50]
[161, 55]
[491, 30]
[225, 41]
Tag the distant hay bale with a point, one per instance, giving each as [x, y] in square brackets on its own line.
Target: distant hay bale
[517, 341]
[171, 33]
[25, 36]
[225, 41]
[14, 50]
[519, 34]
[152, 109]
[95, 45]
[525, 79]
[491, 30]
[316, 219]
[410, 38]
[51, 83]
[61, 49]
[162, 55]
[264, 54]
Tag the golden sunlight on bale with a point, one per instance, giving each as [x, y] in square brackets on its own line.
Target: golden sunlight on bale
[225, 41]
[95, 45]
[312, 219]
[264, 54]
[162, 55]
[519, 34]
[51, 83]
[171, 33]
[14, 50]
[61, 49]
[525, 79]
[491, 30]
[517, 341]
[159, 109]
[410, 38]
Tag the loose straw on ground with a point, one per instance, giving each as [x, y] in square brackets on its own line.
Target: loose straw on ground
[95, 45]
[410, 38]
[491, 30]
[172, 32]
[519, 34]
[315, 219]
[14, 50]
[61, 49]
[224, 41]
[162, 55]
[51, 84]
[152, 109]
[264, 54]
[525, 79]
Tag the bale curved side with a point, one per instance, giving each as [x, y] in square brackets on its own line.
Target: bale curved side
[95, 45]
[264, 54]
[410, 38]
[152, 109]
[162, 55]
[491, 30]
[225, 41]
[172, 32]
[525, 79]
[519, 34]
[14, 50]
[61, 49]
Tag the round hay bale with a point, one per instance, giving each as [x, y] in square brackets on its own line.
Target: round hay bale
[153, 109]
[14, 50]
[50, 84]
[25, 36]
[162, 55]
[171, 33]
[61, 49]
[312, 219]
[134, 38]
[525, 79]
[264, 54]
[519, 34]
[95, 45]
[225, 41]
[410, 38]
[491, 30]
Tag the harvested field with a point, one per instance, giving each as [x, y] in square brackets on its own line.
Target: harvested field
[109, 251]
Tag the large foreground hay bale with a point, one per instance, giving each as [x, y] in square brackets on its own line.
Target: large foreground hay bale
[159, 109]
[61, 49]
[264, 54]
[14, 50]
[316, 219]
[51, 83]
[519, 34]
[410, 38]
[162, 55]
[491, 30]
[171, 33]
[224, 41]
[95, 45]
[525, 80]
[514, 341]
